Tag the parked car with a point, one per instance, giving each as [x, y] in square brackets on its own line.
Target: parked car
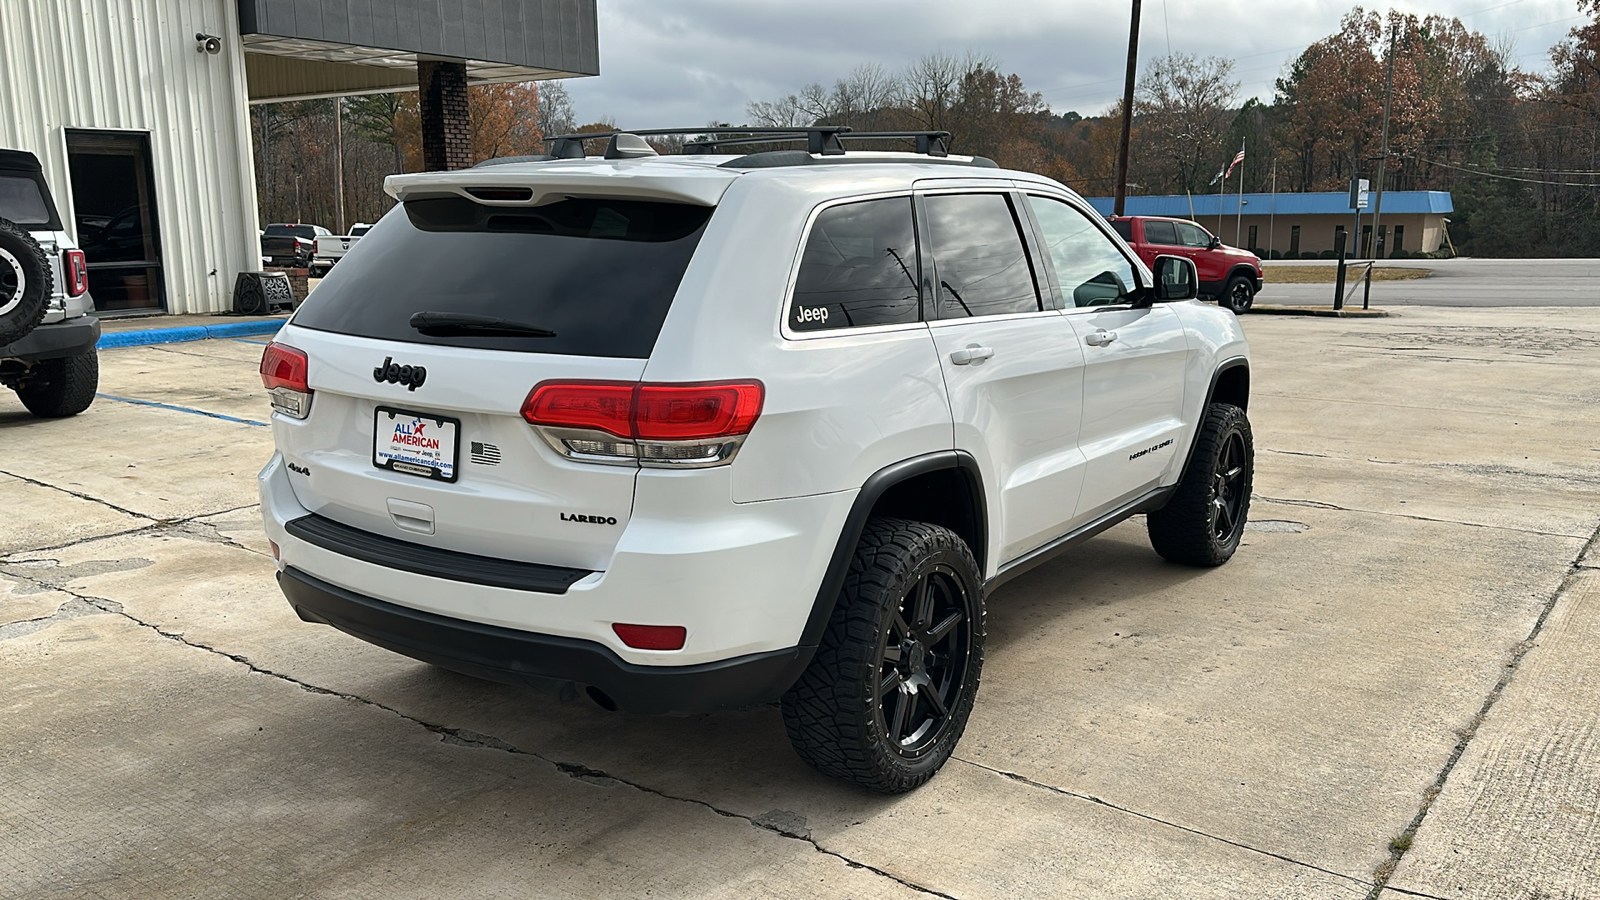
[291, 245]
[47, 332]
[332, 248]
[701, 432]
[1228, 275]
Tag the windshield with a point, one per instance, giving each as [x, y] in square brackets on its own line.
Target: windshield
[21, 202]
[600, 273]
[304, 231]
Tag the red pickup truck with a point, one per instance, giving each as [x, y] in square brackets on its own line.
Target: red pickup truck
[1228, 275]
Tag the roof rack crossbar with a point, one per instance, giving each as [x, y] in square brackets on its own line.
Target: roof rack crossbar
[822, 139]
[929, 143]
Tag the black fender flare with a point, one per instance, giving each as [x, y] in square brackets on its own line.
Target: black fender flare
[871, 492]
[1227, 365]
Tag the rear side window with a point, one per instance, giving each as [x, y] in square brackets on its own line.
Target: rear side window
[1124, 228]
[859, 268]
[1160, 233]
[600, 273]
[21, 202]
[977, 247]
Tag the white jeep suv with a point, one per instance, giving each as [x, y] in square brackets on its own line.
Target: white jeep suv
[707, 431]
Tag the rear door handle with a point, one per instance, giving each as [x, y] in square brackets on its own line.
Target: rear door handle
[1100, 338]
[972, 353]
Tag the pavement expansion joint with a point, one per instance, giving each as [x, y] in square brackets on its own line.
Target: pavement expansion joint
[183, 525]
[1318, 504]
[1401, 844]
[456, 736]
[1023, 779]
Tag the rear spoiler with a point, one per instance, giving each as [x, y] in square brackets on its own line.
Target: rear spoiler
[548, 182]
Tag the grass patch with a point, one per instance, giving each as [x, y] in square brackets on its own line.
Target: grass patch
[1401, 844]
[1325, 274]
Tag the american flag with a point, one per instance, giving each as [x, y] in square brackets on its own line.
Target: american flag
[1237, 158]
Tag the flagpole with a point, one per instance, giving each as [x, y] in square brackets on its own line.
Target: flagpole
[1238, 222]
[1222, 183]
[1190, 195]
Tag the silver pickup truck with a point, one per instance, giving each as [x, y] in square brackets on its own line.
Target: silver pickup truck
[47, 332]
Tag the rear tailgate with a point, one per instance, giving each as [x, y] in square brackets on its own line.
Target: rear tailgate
[588, 281]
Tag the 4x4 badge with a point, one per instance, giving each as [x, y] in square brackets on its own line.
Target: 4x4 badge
[410, 376]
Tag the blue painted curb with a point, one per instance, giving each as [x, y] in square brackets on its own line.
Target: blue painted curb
[145, 336]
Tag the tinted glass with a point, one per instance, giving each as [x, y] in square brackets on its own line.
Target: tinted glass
[859, 268]
[1192, 235]
[983, 267]
[304, 231]
[600, 273]
[21, 202]
[1160, 233]
[359, 230]
[1089, 267]
[1124, 228]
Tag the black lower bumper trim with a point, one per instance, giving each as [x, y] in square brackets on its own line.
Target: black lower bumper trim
[519, 657]
[73, 337]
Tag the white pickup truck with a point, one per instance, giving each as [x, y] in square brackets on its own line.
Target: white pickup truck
[332, 248]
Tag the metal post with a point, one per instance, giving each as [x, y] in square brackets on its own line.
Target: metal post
[1383, 155]
[1338, 278]
[1127, 112]
[1366, 292]
[1272, 209]
[338, 153]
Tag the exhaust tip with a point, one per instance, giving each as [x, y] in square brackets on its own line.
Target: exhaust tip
[601, 698]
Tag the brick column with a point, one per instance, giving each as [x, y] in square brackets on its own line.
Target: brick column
[446, 126]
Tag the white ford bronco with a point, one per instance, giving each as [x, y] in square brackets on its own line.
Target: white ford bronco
[706, 431]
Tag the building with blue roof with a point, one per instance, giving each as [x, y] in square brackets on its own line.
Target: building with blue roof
[1295, 226]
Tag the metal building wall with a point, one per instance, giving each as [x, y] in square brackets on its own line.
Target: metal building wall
[132, 65]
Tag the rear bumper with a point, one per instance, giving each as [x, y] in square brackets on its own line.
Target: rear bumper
[70, 338]
[520, 657]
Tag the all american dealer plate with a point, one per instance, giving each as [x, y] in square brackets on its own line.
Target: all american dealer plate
[416, 443]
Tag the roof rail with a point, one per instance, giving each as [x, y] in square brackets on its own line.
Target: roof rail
[823, 139]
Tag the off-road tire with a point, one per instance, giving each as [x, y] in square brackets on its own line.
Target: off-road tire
[57, 388]
[1202, 523]
[1238, 295]
[875, 642]
[26, 283]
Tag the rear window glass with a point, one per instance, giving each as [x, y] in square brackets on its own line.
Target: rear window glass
[983, 266]
[359, 230]
[305, 231]
[21, 202]
[1160, 233]
[600, 273]
[1124, 228]
[859, 268]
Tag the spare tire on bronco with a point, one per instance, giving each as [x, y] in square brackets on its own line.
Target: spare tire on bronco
[26, 283]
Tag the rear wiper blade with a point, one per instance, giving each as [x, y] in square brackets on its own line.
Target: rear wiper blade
[449, 324]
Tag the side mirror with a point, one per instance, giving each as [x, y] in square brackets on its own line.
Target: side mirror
[1176, 278]
[1214, 243]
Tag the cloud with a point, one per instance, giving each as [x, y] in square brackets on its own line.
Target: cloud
[665, 63]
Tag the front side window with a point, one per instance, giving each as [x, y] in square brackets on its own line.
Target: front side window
[977, 247]
[1192, 235]
[1088, 265]
[859, 268]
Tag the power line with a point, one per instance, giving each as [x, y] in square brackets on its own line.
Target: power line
[1482, 174]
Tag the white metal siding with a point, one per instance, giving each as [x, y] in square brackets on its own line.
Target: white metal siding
[132, 65]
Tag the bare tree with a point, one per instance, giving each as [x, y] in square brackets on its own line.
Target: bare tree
[556, 114]
[1186, 105]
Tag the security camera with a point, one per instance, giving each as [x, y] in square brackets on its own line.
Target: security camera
[208, 43]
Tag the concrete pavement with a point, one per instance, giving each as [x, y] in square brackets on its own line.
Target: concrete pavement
[1388, 687]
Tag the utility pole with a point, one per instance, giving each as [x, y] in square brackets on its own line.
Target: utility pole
[1127, 112]
[1383, 155]
[338, 152]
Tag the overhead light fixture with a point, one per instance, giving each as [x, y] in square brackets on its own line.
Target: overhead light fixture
[207, 43]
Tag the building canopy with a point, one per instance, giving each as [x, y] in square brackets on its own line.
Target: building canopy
[298, 49]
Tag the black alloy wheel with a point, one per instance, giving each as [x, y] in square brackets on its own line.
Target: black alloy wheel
[925, 653]
[1239, 294]
[888, 693]
[1229, 489]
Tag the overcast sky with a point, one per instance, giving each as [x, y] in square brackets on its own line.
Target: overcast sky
[667, 63]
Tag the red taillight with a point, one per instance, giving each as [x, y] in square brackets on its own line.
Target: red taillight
[76, 266]
[675, 425]
[652, 637]
[596, 405]
[283, 371]
[283, 366]
[696, 412]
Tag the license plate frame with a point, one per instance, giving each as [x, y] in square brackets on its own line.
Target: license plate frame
[418, 462]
